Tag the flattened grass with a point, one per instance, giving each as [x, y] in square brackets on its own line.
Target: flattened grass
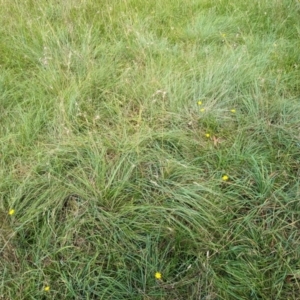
[115, 171]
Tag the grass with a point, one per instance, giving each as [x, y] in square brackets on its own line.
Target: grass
[106, 159]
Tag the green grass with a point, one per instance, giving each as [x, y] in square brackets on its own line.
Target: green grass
[104, 158]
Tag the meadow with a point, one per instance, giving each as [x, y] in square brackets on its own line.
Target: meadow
[150, 150]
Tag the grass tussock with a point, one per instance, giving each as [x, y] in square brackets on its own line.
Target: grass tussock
[149, 150]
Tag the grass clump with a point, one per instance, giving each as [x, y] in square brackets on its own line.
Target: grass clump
[149, 151]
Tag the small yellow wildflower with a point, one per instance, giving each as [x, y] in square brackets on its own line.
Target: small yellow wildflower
[223, 35]
[158, 275]
[11, 212]
[207, 135]
[199, 102]
[202, 109]
[47, 288]
[225, 177]
[233, 110]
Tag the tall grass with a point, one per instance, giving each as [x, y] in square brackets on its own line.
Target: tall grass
[119, 121]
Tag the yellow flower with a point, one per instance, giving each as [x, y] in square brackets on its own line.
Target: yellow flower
[158, 275]
[199, 102]
[47, 288]
[202, 109]
[11, 212]
[233, 110]
[207, 135]
[225, 177]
